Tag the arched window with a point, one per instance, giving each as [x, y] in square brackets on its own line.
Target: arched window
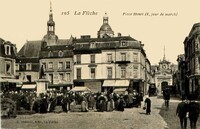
[60, 54]
[50, 54]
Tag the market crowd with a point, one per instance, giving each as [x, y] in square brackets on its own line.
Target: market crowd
[56, 101]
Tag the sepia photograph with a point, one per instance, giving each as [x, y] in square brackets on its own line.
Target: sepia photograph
[73, 64]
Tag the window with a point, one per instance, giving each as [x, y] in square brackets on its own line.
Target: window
[123, 43]
[50, 65]
[78, 58]
[28, 78]
[17, 66]
[109, 57]
[44, 66]
[78, 73]
[123, 72]
[92, 58]
[60, 54]
[17, 76]
[60, 65]
[109, 69]
[135, 71]
[51, 78]
[68, 76]
[92, 45]
[92, 71]
[123, 56]
[7, 50]
[135, 57]
[61, 76]
[28, 66]
[8, 68]
[22, 67]
[50, 54]
[68, 65]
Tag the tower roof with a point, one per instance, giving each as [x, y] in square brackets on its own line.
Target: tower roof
[105, 26]
[50, 22]
[105, 29]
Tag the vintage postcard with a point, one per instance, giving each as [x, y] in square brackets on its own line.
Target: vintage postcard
[73, 64]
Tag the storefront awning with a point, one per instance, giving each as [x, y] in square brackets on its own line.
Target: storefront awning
[116, 83]
[10, 80]
[28, 86]
[108, 83]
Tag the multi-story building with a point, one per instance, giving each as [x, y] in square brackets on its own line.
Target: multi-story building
[107, 62]
[163, 73]
[27, 64]
[52, 54]
[192, 58]
[8, 55]
[180, 77]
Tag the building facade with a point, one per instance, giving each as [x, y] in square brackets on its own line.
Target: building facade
[8, 56]
[163, 74]
[180, 77]
[52, 55]
[192, 59]
[27, 64]
[107, 62]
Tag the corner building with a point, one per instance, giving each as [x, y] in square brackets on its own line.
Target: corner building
[8, 55]
[106, 63]
[192, 59]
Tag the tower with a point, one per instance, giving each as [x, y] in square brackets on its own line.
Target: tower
[50, 38]
[105, 30]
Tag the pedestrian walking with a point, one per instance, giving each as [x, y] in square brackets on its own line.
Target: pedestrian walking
[182, 111]
[166, 95]
[194, 110]
[147, 105]
[140, 99]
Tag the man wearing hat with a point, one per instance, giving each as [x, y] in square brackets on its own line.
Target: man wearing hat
[181, 112]
[194, 110]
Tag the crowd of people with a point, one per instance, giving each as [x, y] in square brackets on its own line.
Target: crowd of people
[56, 101]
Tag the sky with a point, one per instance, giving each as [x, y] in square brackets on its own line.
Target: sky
[158, 24]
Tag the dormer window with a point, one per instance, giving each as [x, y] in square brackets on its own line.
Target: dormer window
[92, 45]
[60, 54]
[50, 54]
[28, 66]
[123, 43]
[7, 50]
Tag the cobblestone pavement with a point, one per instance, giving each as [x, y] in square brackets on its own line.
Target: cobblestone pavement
[131, 118]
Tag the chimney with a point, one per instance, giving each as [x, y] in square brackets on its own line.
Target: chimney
[119, 34]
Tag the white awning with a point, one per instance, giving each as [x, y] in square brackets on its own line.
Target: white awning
[108, 83]
[80, 88]
[28, 86]
[10, 80]
[116, 83]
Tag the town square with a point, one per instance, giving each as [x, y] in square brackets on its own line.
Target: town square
[99, 66]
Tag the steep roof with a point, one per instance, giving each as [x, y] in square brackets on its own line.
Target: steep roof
[30, 49]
